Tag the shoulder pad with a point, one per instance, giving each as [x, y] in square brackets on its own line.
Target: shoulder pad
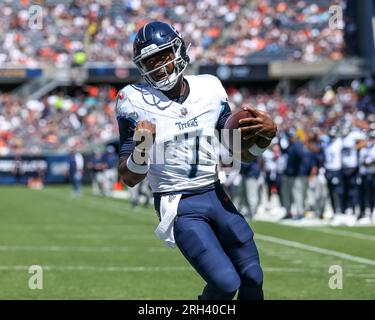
[213, 84]
[124, 106]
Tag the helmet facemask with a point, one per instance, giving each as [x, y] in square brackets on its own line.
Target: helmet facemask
[179, 64]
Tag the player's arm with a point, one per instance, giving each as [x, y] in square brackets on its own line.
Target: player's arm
[261, 128]
[136, 142]
[128, 177]
[360, 144]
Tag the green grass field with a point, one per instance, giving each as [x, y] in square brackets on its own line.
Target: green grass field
[97, 248]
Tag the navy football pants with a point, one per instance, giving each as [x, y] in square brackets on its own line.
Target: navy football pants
[336, 190]
[218, 242]
[367, 192]
[350, 188]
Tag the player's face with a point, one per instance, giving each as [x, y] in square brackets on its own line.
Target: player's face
[276, 148]
[157, 60]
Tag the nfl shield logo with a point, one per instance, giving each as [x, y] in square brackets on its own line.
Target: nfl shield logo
[183, 111]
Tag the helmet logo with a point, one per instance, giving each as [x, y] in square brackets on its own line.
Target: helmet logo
[149, 48]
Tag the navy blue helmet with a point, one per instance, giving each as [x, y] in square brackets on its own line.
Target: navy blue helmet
[152, 38]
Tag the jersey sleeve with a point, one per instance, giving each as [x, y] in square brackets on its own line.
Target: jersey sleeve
[224, 114]
[126, 119]
[225, 110]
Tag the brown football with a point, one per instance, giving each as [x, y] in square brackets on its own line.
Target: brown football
[232, 124]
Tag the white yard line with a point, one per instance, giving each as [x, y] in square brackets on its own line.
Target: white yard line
[306, 247]
[128, 269]
[99, 236]
[351, 234]
[287, 270]
[94, 200]
[123, 237]
[78, 248]
[56, 226]
[95, 268]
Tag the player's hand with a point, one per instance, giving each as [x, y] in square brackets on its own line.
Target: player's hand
[260, 124]
[144, 134]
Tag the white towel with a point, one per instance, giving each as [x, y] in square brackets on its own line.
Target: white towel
[168, 212]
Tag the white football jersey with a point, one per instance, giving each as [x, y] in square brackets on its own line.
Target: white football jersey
[367, 160]
[349, 151]
[333, 155]
[183, 158]
[269, 161]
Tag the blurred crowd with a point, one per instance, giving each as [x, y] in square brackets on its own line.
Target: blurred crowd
[58, 121]
[80, 31]
[62, 118]
[296, 30]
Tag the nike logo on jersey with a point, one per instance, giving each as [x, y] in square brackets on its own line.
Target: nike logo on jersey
[187, 124]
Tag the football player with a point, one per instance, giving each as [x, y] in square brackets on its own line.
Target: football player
[165, 111]
[333, 170]
[367, 177]
[350, 166]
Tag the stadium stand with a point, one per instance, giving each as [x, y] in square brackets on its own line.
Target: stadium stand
[57, 121]
[220, 32]
[88, 114]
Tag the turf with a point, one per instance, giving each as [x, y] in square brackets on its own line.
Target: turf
[98, 248]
